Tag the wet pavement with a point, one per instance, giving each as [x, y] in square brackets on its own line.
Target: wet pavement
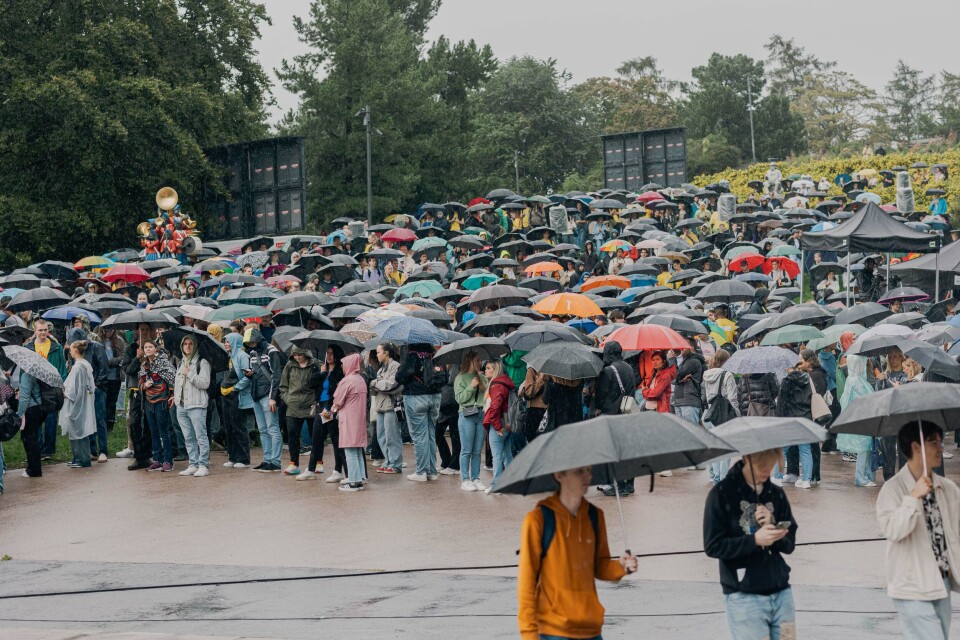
[284, 547]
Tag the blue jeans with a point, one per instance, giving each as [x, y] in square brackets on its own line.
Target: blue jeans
[193, 423]
[48, 435]
[865, 471]
[471, 445]
[806, 463]
[98, 440]
[753, 617]
[268, 423]
[158, 419]
[501, 447]
[355, 466]
[422, 414]
[388, 435]
[925, 619]
[690, 414]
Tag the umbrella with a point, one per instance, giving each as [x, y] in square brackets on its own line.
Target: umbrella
[93, 262]
[754, 434]
[69, 312]
[727, 291]
[353, 311]
[255, 295]
[746, 262]
[680, 324]
[399, 235]
[128, 272]
[932, 359]
[801, 314]
[501, 293]
[237, 312]
[904, 294]
[255, 259]
[478, 280]
[486, 348]
[299, 299]
[37, 300]
[866, 314]
[528, 336]
[319, 340]
[568, 304]
[408, 330]
[423, 288]
[131, 320]
[58, 270]
[362, 331]
[539, 268]
[567, 361]
[791, 268]
[907, 319]
[34, 364]
[207, 346]
[612, 246]
[641, 337]
[791, 334]
[761, 360]
[603, 281]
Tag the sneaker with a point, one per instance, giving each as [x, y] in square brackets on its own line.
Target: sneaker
[487, 467]
[73, 465]
[487, 491]
[345, 481]
[26, 475]
[417, 477]
[292, 470]
[189, 471]
[125, 453]
[479, 485]
[264, 467]
[849, 457]
[947, 455]
[603, 487]
[381, 469]
[305, 450]
[447, 471]
[403, 465]
[868, 484]
[102, 457]
[136, 466]
[45, 458]
[240, 465]
[272, 468]
[777, 481]
[433, 476]
[259, 467]
[202, 472]
[791, 478]
[336, 476]
[320, 467]
[166, 467]
[814, 483]
[155, 466]
[390, 471]
[307, 475]
[803, 484]
[666, 474]
[378, 462]
[358, 486]
[466, 485]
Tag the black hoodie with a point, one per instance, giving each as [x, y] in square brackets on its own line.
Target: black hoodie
[794, 398]
[608, 394]
[689, 382]
[729, 523]
[266, 361]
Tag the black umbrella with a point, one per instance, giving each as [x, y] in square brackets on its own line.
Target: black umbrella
[727, 291]
[38, 300]
[58, 270]
[349, 312]
[686, 326]
[319, 340]
[298, 299]
[567, 361]
[911, 319]
[131, 320]
[533, 334]
[438, 317]
[207, 346]
[933, 359]
[866, 314]
[761, 433]
[502, 294]
[486, 348]
[807, 314]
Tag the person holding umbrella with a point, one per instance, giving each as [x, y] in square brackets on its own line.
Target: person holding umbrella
[563, 533]
[46, 345]
[386, 392]
[918, 513]
[156, 377]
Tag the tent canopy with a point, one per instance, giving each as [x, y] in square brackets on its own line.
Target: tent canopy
[870, 230]
[948, 260]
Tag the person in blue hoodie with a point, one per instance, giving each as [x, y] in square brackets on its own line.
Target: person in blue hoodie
[237, 403]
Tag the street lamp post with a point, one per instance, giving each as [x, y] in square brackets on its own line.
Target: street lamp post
[516, 167]
[751, 108]
[365, 112]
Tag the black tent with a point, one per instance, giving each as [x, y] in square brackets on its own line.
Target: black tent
[947, 260]
[870, 230]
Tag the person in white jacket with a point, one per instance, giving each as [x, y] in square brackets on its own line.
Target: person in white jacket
[190, 399]
[919, 515]
[719, 382]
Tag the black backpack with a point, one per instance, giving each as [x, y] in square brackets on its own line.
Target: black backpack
[51, 398]
[9, 425]
[434, 377]
[719, 410]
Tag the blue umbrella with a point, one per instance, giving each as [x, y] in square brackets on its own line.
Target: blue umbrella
[629, 294]
[822, 226]
[752, 276]
[583, 324]
[68, 313]
[409, 330]
[11, 292]
[642, 281]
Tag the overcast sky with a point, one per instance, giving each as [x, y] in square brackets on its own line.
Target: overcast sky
[591, 38]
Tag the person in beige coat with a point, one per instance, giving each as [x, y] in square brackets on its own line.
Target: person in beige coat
[919, 515]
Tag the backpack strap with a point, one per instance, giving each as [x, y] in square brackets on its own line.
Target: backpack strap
[594, 516]
[550, 526]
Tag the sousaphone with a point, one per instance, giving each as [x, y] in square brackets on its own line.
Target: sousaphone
[167, 198]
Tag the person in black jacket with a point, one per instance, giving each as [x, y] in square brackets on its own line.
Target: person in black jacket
[759, 303]
[266, 365]
[748, 526]
[687, 397]
[809, 364]
[615, 382]
[794, 401]
[138, 431]
[757, 394]
[422, 382]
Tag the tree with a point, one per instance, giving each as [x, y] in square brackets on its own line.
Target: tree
[836, 110]
[711, 154]
[103, 103]
[909, 100]
[638, 99]
[791, 66]
[526, 106]
[948, 106]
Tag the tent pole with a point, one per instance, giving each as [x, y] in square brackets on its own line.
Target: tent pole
[848, 272]
[801, 275]
[888, 272]
[936, 286]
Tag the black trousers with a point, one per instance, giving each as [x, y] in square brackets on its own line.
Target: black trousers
[113, 392]
[294, 428]
[532, 422]
[793, 461]
[449, 454]
[320, 432]
[30, 437]
[234, 427]
[139, 429]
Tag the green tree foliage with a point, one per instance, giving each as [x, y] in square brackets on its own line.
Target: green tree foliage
[948, 107]
[909, 103]
[638, 98]
[791, 66]
[711, 154]
[102, 103]
[837, 110]
[526, 106]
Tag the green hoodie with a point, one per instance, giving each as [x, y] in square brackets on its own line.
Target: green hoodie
[515, 367]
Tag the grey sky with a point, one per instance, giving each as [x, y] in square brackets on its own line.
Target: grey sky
[592, 37]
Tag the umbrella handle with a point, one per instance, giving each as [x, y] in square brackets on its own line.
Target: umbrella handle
[616, 490]
[923, 448]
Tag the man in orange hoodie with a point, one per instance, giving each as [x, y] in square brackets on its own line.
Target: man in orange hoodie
[556, 589]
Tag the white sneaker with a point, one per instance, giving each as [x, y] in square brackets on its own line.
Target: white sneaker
[126, 453]
[239, 465]
[202, 472]
[377, 463]
[466, 485]
[319, 468]
[307, 475]
[345, 481]
[869, 484]
[228, 464]
[189, 471]
[417, 477]
[947, 455]
[479, 485]
[433, 476]
[790, 478]
[446, 471]
[666, 474]
[777, 481]
[487, 491]
[102, 457]
[336, 476]
[803, 484]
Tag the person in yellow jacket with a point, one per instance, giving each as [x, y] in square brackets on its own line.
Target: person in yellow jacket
[556, 587]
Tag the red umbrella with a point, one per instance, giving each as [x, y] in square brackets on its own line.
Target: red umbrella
[648, 337]
[746, 262]
[399, 235]
[649, 196]
[126, 272]
[791, 268]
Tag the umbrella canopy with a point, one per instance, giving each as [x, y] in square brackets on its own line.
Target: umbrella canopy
[680, 324]
[530, 335]
[568, 361]
[486, 348]
[207, 346]
[37, 300]
[237, 312]
[544, 267]
[93, 262]
[128, 272]
[255, 295]
[478, 281]
[68, 313]
[298, 299]
[408, 330]
[131, 320]
[761, 433]
[727, 291]
[761, 360]
[644, 337]
[604, 281]
[746, 262]
[501, 293]
[423, 288]
[885, 412]
[319, 340]
[568, 304]
[399, 235]
[34, 364]
[791, 334]
[866, 314]
[904, 294]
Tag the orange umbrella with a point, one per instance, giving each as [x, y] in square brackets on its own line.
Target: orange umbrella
[568, 304]
[543, 267]
[606, 281]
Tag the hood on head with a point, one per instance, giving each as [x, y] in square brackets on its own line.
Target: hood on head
[189, 338]
[253, 338]
[303, 352]
[76, 333]
[351, 364]
[612, 352]
[847, 338]
[236, 341]
[761, 295]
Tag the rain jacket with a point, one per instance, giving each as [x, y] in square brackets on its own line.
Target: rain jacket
[659, 388]
[240, 361]
[384, 387]
[515, 367]
[855, 386]
[687, 391]
[499, 390]
[718, 381]
[95, 354]
[608, 392]
[192, 382]
[794, 398]
[299, 385]
[267, 363]
[759, 303]
[350, 404]
[557, 594]
[78, 419]
[55, 356]
[760, 389]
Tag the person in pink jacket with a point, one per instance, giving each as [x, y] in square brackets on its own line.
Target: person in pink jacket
[350, 405]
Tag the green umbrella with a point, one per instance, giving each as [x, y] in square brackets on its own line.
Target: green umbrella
[432, 242]
[237, 312]
[425, 288]
[784, 250]
[790, 334]
[479, 280]
[831, 335]
[736, 251]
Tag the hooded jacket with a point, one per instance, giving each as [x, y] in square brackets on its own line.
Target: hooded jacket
[299, 385]
[192, 382]
[499, 389]
[793, 400]
[410, 374]
[95, 354]
[759, 303]
[384, 387]
[609, 392]
[718, 381]
[55, 355]
[758, 388]
[687, 390]
[350, 404]
[515, 367]
[729, 524]
[659, 388]
[266, 361]
[240, 362]
[558, 594]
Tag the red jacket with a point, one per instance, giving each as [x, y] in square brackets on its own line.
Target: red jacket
[659, 388]
[499, 401]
